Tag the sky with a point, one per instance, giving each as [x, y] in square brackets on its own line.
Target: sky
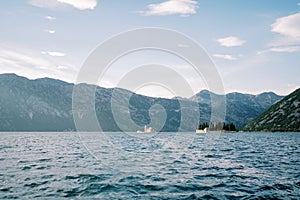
[255, 45]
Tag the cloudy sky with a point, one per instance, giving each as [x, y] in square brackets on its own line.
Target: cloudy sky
[255, 44]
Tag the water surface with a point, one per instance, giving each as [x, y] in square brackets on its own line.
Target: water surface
[228, 166]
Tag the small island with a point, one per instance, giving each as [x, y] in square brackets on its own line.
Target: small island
[147, 130]
[219, 127]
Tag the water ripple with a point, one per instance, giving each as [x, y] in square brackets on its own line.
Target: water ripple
[234, 166]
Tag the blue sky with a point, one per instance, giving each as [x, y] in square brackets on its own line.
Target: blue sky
[255, 44]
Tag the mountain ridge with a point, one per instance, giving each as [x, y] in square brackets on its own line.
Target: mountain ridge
[45, 104]
[201, 91]
[282, 116]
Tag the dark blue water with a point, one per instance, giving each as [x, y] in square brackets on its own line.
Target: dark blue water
[228, 166]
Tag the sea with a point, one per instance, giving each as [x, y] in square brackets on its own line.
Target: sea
[149, 166]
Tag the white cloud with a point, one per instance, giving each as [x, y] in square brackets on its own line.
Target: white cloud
[172, 7]
[53, 53]
[30, 64]
[288, 29]
[15, 59]
[80, 4]
[280, 49]
[231, 41]
[50, 31]
[288, 26]
[285, 49]
[50, 17]
[52, 4]
[225, 56]
[281, 40]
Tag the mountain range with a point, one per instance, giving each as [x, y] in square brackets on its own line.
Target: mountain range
[46, 105]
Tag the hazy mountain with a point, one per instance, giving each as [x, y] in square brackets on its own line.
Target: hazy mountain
[282, 116]
[35, 105]
[240, 108]
[46, 105]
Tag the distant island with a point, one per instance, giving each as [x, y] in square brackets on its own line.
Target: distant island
[147, 130]
[219, 127]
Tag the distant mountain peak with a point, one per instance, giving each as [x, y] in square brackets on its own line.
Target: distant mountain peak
[49, 104]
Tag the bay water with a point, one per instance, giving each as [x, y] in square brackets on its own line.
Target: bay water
[122, 166]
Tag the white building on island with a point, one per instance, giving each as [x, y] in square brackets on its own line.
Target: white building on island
[147, 130]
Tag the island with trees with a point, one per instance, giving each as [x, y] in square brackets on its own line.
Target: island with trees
[219, 127]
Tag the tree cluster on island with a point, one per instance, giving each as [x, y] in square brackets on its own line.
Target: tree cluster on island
[217, 126]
